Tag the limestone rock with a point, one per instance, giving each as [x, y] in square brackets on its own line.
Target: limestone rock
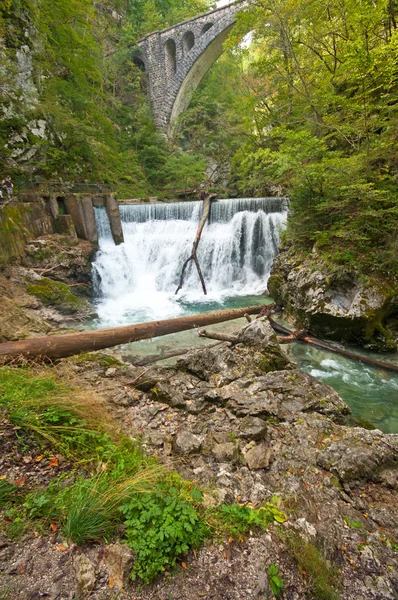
[252, 428]
[118, 560]
[223, 366]
[169, 394]
[226, 452]
[258, 333]
[84, 576]
[338, 305]
[70, 260]
[362, 456]
[187, 442]
[258, 457]
[282, 395]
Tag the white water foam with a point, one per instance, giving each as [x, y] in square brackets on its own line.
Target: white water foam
[136, 281]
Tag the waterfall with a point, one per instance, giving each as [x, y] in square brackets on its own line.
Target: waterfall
[136, 281]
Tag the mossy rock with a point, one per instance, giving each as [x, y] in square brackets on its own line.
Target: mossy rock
[104, 360]
[273, 360]
[54, 293]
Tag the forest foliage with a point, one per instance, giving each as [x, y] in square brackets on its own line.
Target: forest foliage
[307, 108]
[316, 107]
[74, 102]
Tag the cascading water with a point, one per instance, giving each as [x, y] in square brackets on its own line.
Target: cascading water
[136, 281]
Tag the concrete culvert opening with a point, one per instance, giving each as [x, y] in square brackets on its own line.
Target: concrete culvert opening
[171, 58]
[61, 205]
[188, 41]
[207, 27]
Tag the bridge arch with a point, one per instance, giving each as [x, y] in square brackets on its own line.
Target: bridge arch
[170, 58]
[188, 41]
[206, 27]
[177, 58]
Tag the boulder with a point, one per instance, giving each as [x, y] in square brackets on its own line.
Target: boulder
[118, 561]
[282, 395]
[187, 442]
[258, 457]
[337, 304]
[258, 333]
[84, 576]
[252, 428]
[226, 452]
[361, 456]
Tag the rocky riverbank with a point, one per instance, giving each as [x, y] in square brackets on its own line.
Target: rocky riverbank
[248, 427]
[48, 290]
[335, 303]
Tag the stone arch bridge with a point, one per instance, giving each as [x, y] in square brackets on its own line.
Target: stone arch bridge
[177, 58]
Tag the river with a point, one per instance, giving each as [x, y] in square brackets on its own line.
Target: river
[136, 282]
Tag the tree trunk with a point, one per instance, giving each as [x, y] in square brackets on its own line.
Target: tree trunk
[216, 335]
[205, 215]
[61, 346]
[300, 336]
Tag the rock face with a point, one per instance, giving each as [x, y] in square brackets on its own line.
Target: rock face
[68, 259]
[339, 305]
[18, 223]
[249, 436]
[85, 576]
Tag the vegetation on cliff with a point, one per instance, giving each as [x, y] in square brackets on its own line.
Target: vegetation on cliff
[73, 101]
[316, 101]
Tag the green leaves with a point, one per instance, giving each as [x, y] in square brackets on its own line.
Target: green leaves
[237, 520]
[162, 525]
[276, 584]
[324, 94]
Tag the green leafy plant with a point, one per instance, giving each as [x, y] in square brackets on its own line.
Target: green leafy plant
[351, 523]
[276, 583]
[162, 525]
[237, 520]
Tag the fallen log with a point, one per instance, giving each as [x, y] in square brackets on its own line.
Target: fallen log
[300, 336]
[61, 346]
[153, 358]
[205, 215]
[216, 335]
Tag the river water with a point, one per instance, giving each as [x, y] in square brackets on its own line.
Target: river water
[136, 282]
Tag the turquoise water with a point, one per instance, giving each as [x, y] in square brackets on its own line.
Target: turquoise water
[370, 392]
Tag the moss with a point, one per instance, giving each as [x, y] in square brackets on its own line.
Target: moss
[100, 359]
[336, 482]
[272, 361]
[274, 285]
[12, 234]
[54, 293]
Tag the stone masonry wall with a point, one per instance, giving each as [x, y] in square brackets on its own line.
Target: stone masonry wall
[170, 93]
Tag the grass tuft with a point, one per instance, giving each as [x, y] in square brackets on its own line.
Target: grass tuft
[8, 492]
[323, 581]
